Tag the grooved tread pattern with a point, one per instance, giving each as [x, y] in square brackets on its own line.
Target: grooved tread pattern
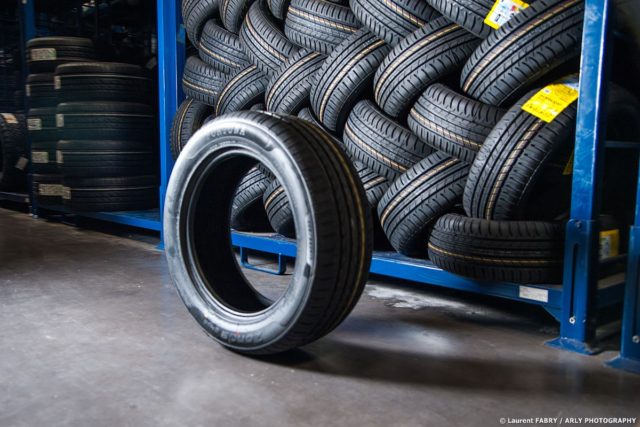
[195, 13]
[202, 82]
[243, 89]
[469, 14]
[221, 48]
[190, 117]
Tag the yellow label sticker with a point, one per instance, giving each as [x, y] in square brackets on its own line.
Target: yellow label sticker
[609, 243]
[552, 100]
[502, 11]
[568, 168]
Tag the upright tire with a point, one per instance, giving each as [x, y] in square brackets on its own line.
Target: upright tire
[333, 228]
[264, 43]
[195, 13]
[190, 117]
[382, 144]
[247, 210]
[242, 89]
[221, 48]
[392, 20]
[288, 90]
[319, 25]
[414, 201]
[427, 55]
[346, 77]
[536, 46]
[233, 12]
[506, 251]
[201, 81]
[451, 122]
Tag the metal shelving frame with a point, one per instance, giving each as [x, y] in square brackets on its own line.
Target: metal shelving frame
[576, 303]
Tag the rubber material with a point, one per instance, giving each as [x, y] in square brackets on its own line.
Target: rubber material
[195, 13]
[201, 81]
[276, 204]
[104, 81]
[105, 120]
[414, 201]
[43, 157]
[451, 122]
[288, 90]
[532, 48]
[510, 251]
[243, 89]
[221, 48]
[233, 12]
[427, 55]
[46, 189]
[392, 20]
[40, 91]
[263, 41]
[346, 77]
[190, 116]
[333, 230]
[110, 194]
[105, 158]
[469, 14]
[247, 210]
[44, 54]
[380, 143]
[319, 25]
[41, 124]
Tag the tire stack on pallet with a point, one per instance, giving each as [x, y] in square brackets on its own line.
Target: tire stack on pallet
[43, 56]
[106, 137]
[459, 115]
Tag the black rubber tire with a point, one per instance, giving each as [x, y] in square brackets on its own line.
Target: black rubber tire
[506, 179]
[41, 124]
[13, 152]
[43, 157]
[40, 91]
[103, 81]
[131, 193]
[288, 90]
[276, 204]
[532, 48]
[278, 8]
[346, 77]
[308, 115]
[451, 122]
[105, 121]
[202, 82]
[427, 55]
[319, 25]
[195, 13]
[333, 225]
[392, 20]
[233, 12]
[105, 158]
[221, 48]
[506, 251]
[263, 41]
[469, 14]
[44, 54]
[380, 143]
[190, 117]
[414, 201]
[243, 89]
[47, 189]
[374, 184]
[247, 210]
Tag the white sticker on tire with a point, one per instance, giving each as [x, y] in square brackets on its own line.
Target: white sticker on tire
[60, 120]
[43, 54]
[66, 193]
[34, 124]
[27, 89]
[50, 189]
[40, 157]
[59, 157]
[22, 163]
[57, 83]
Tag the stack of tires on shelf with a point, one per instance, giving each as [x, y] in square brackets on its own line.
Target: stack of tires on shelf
[459, 115]
[91, 126]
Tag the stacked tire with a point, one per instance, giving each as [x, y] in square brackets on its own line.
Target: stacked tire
[106, 136]
[432, 102]
[43, 56]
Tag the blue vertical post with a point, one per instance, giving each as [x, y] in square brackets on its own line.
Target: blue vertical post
[629, 358]
[578, 322]
[171, 57]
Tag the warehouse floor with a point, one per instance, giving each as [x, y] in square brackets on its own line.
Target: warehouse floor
[93, 333]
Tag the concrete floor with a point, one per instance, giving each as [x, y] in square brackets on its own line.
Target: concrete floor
[92, 333]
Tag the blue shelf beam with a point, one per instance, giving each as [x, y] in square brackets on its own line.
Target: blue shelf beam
[629, 357]
[171, 58]
[578, 322]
